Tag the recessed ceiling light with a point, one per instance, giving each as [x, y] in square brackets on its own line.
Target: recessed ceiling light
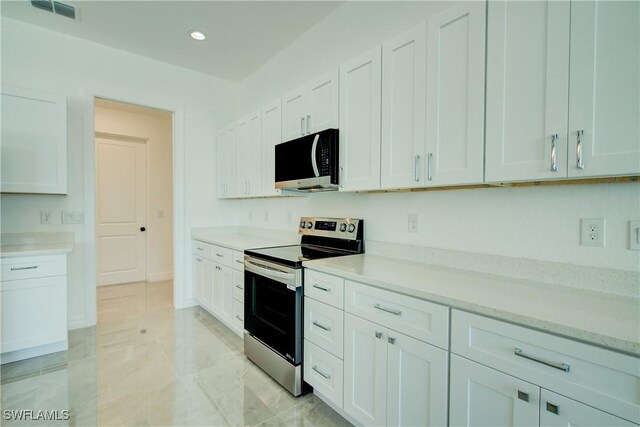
[197, 35]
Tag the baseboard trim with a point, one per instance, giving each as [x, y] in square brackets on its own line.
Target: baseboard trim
[160, 277]
[27, 353]
[77, 324]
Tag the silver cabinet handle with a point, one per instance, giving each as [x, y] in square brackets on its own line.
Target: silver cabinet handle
[301, 125]
[416, 172]
[240, 262]
[341, 177]
[239, 287]
[391, 340]
[31, 267]
[326, 328]
[199, 259]
[554, 147]
[248, 187]
[326, 376]
[552, 408]
[200, 249]
[220, 255]
[378, 334]
[523, 396]
[579, 162]
[429, 172]
[556, 365]
[308, 124]
[238, 317]
[388, 310]
[315, 285]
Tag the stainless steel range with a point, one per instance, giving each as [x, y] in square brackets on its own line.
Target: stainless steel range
[274, 294]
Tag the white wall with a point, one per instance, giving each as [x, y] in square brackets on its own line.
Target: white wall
[39, 59]
[541, 223]
[156, 128]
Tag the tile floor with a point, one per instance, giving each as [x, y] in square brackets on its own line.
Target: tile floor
[146, 364]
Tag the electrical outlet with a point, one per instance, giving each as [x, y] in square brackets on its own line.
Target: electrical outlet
[593, 232]
[634, 235]
[45, 216]
[413, 224]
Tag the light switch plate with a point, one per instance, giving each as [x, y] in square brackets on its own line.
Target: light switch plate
[413, 223]
[72, 217]
[46, 216]
[634, 235]
[593, 232]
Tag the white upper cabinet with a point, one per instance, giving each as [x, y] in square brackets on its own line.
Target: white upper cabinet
[527, 90]
[271, 136]
[403, 109]
[604, 92]
[227, 163]
[311, 108]
[250, 155]
[455, 95]
[34, 142]
[360, 93]
[222, 165]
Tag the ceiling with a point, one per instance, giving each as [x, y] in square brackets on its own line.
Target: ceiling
[241, 35]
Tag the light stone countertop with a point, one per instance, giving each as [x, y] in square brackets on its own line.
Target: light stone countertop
[598, 318]
[237, 241]
[35, 244]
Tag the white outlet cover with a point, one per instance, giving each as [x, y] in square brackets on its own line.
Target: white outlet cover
[46, 216]
[634, 235]
[592, 232]
[413, 223]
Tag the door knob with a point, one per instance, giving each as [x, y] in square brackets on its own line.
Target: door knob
[143, 229]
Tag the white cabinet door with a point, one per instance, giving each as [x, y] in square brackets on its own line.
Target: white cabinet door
[365, 371]
[294, 112]
[455, 95]
[222, 294]
[416, 382]
[322, 111]
[197, 279]
[527, 90]
[222, 164]
[208, 284]
[403, 107]
[360, 93]
[271, 136]
[249, 154]
[560, 411]
[604, 100]
[481, 396]
[34, 143]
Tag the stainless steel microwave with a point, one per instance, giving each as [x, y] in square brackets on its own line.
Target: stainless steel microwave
[309, 163]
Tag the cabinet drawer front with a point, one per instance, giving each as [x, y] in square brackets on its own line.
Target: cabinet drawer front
[238, 316]
[324, 372]
[32, 267]
[238, 285]
[221, 255]
[202, 249]
[238, 260]
[324, 287]
[324, 326]
[601, 378]
[419, 319]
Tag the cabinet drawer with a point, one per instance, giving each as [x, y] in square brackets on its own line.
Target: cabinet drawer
[221, 255]
[324, 372]
[324, 326]
[419, 319]
[33, 267]
[238, 285]
[238, 260]
[601, 378]
[324, 287]
[202, 249]
[238, 316]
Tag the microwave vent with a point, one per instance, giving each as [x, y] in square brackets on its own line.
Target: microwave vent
[56, 7]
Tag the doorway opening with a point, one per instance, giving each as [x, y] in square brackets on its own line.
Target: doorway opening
[134, 194]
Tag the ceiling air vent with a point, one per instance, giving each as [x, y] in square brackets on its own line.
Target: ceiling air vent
[55, 7]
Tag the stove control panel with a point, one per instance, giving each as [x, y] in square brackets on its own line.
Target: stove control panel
[338, 228]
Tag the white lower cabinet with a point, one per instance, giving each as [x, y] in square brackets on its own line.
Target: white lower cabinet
[392, 379]
[324, 372]
[560, 411]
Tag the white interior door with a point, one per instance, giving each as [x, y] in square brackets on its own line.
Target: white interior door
[121, 211]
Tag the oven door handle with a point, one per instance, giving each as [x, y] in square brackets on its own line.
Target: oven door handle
[270, 272]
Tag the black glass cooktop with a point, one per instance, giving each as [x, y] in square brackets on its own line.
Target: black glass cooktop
[295, 255]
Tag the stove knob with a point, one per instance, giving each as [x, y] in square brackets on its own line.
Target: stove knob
[352, 228]
[302, 223]
[309, 224]
[343, 227]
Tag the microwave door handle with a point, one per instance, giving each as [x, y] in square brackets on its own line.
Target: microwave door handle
[314, 150]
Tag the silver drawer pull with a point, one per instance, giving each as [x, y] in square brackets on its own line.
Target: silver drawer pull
[523, 396]
[552, 408]
[557, 365]
[238, 317]
[239, 287]
[326, 328]
[326, 376]
[220, 255]
[388, 310]
[31, 267]
[321, 288]
[200, 249]
[239, 261]
[378, 335]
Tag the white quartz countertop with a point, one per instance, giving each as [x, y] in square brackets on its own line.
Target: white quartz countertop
[606, 320]
[34, 244]
[237, 241]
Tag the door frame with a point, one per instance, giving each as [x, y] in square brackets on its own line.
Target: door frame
[147, 178]
[179, 245]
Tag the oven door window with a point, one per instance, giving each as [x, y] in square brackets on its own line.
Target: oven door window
[273, 314]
